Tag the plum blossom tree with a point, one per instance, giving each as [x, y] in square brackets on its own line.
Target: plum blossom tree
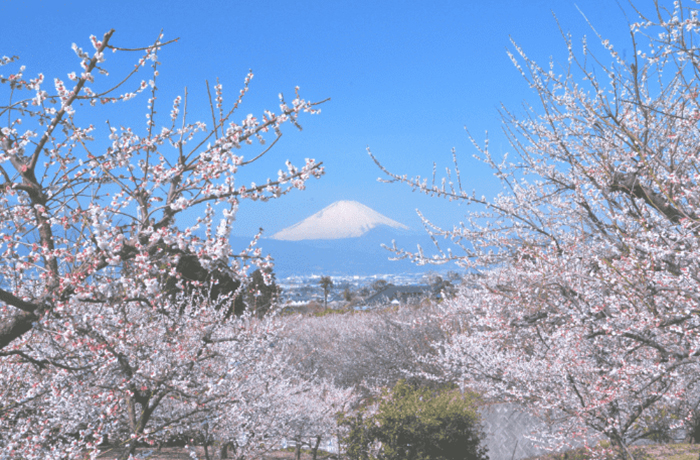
[273, 402]
[366, 351]
[583, 297]
[310, 414]
[261, 294]
[104, 335]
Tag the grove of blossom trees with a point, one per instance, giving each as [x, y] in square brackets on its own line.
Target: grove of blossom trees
[583, 302]
[119, 323]
[367, 351]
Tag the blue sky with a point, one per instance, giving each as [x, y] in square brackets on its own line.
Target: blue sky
[404, 78]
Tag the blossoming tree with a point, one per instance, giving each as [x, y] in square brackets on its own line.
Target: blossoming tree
[583, 302]
[285, 408]
[366, 351]
[116, 318]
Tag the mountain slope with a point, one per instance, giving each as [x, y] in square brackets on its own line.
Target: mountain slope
[344, 238]
[347, 256]
[342, 219]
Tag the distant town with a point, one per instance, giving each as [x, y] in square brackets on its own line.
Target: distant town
[364, 292]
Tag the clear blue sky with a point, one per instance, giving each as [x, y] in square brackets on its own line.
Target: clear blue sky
[404, 78]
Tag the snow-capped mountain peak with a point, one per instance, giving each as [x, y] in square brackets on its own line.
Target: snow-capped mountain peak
[342, 219]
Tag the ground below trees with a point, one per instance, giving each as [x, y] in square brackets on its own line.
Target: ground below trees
[654, 452]
[178, 453]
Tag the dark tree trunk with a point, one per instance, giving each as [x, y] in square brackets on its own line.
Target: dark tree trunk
[223, 454]
[16, 326]
[314, 449]
[297, 449]
[131, 450]
[206, 449]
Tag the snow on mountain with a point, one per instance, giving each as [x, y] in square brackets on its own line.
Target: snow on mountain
[342, 219]
[345, 238]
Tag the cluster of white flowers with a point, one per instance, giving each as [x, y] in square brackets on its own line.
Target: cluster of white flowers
[584, 305]
[106, 334]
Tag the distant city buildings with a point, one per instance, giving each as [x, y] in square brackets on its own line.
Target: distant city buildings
[300, 291]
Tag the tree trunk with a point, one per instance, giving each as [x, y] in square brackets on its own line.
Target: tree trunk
[223, 454]
[16, 326]
[131, 450]
[314, 449]
[206, 449]
[206, 441]
[297, 449]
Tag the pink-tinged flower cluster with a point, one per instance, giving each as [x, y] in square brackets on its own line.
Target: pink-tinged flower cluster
[106, 334]
[583, 303]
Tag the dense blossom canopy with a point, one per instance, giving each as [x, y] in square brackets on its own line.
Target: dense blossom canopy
[583, 302]
[116, 321]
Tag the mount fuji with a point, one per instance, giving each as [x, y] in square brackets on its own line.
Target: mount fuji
[342, 219]
[344, 238]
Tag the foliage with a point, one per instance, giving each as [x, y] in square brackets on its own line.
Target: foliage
[413, 423]
[326, 283]
[331, 311]
[116, 317]
[357, 440]
[379, 285]
[262, 291]
[582, 302]
[445, 287]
